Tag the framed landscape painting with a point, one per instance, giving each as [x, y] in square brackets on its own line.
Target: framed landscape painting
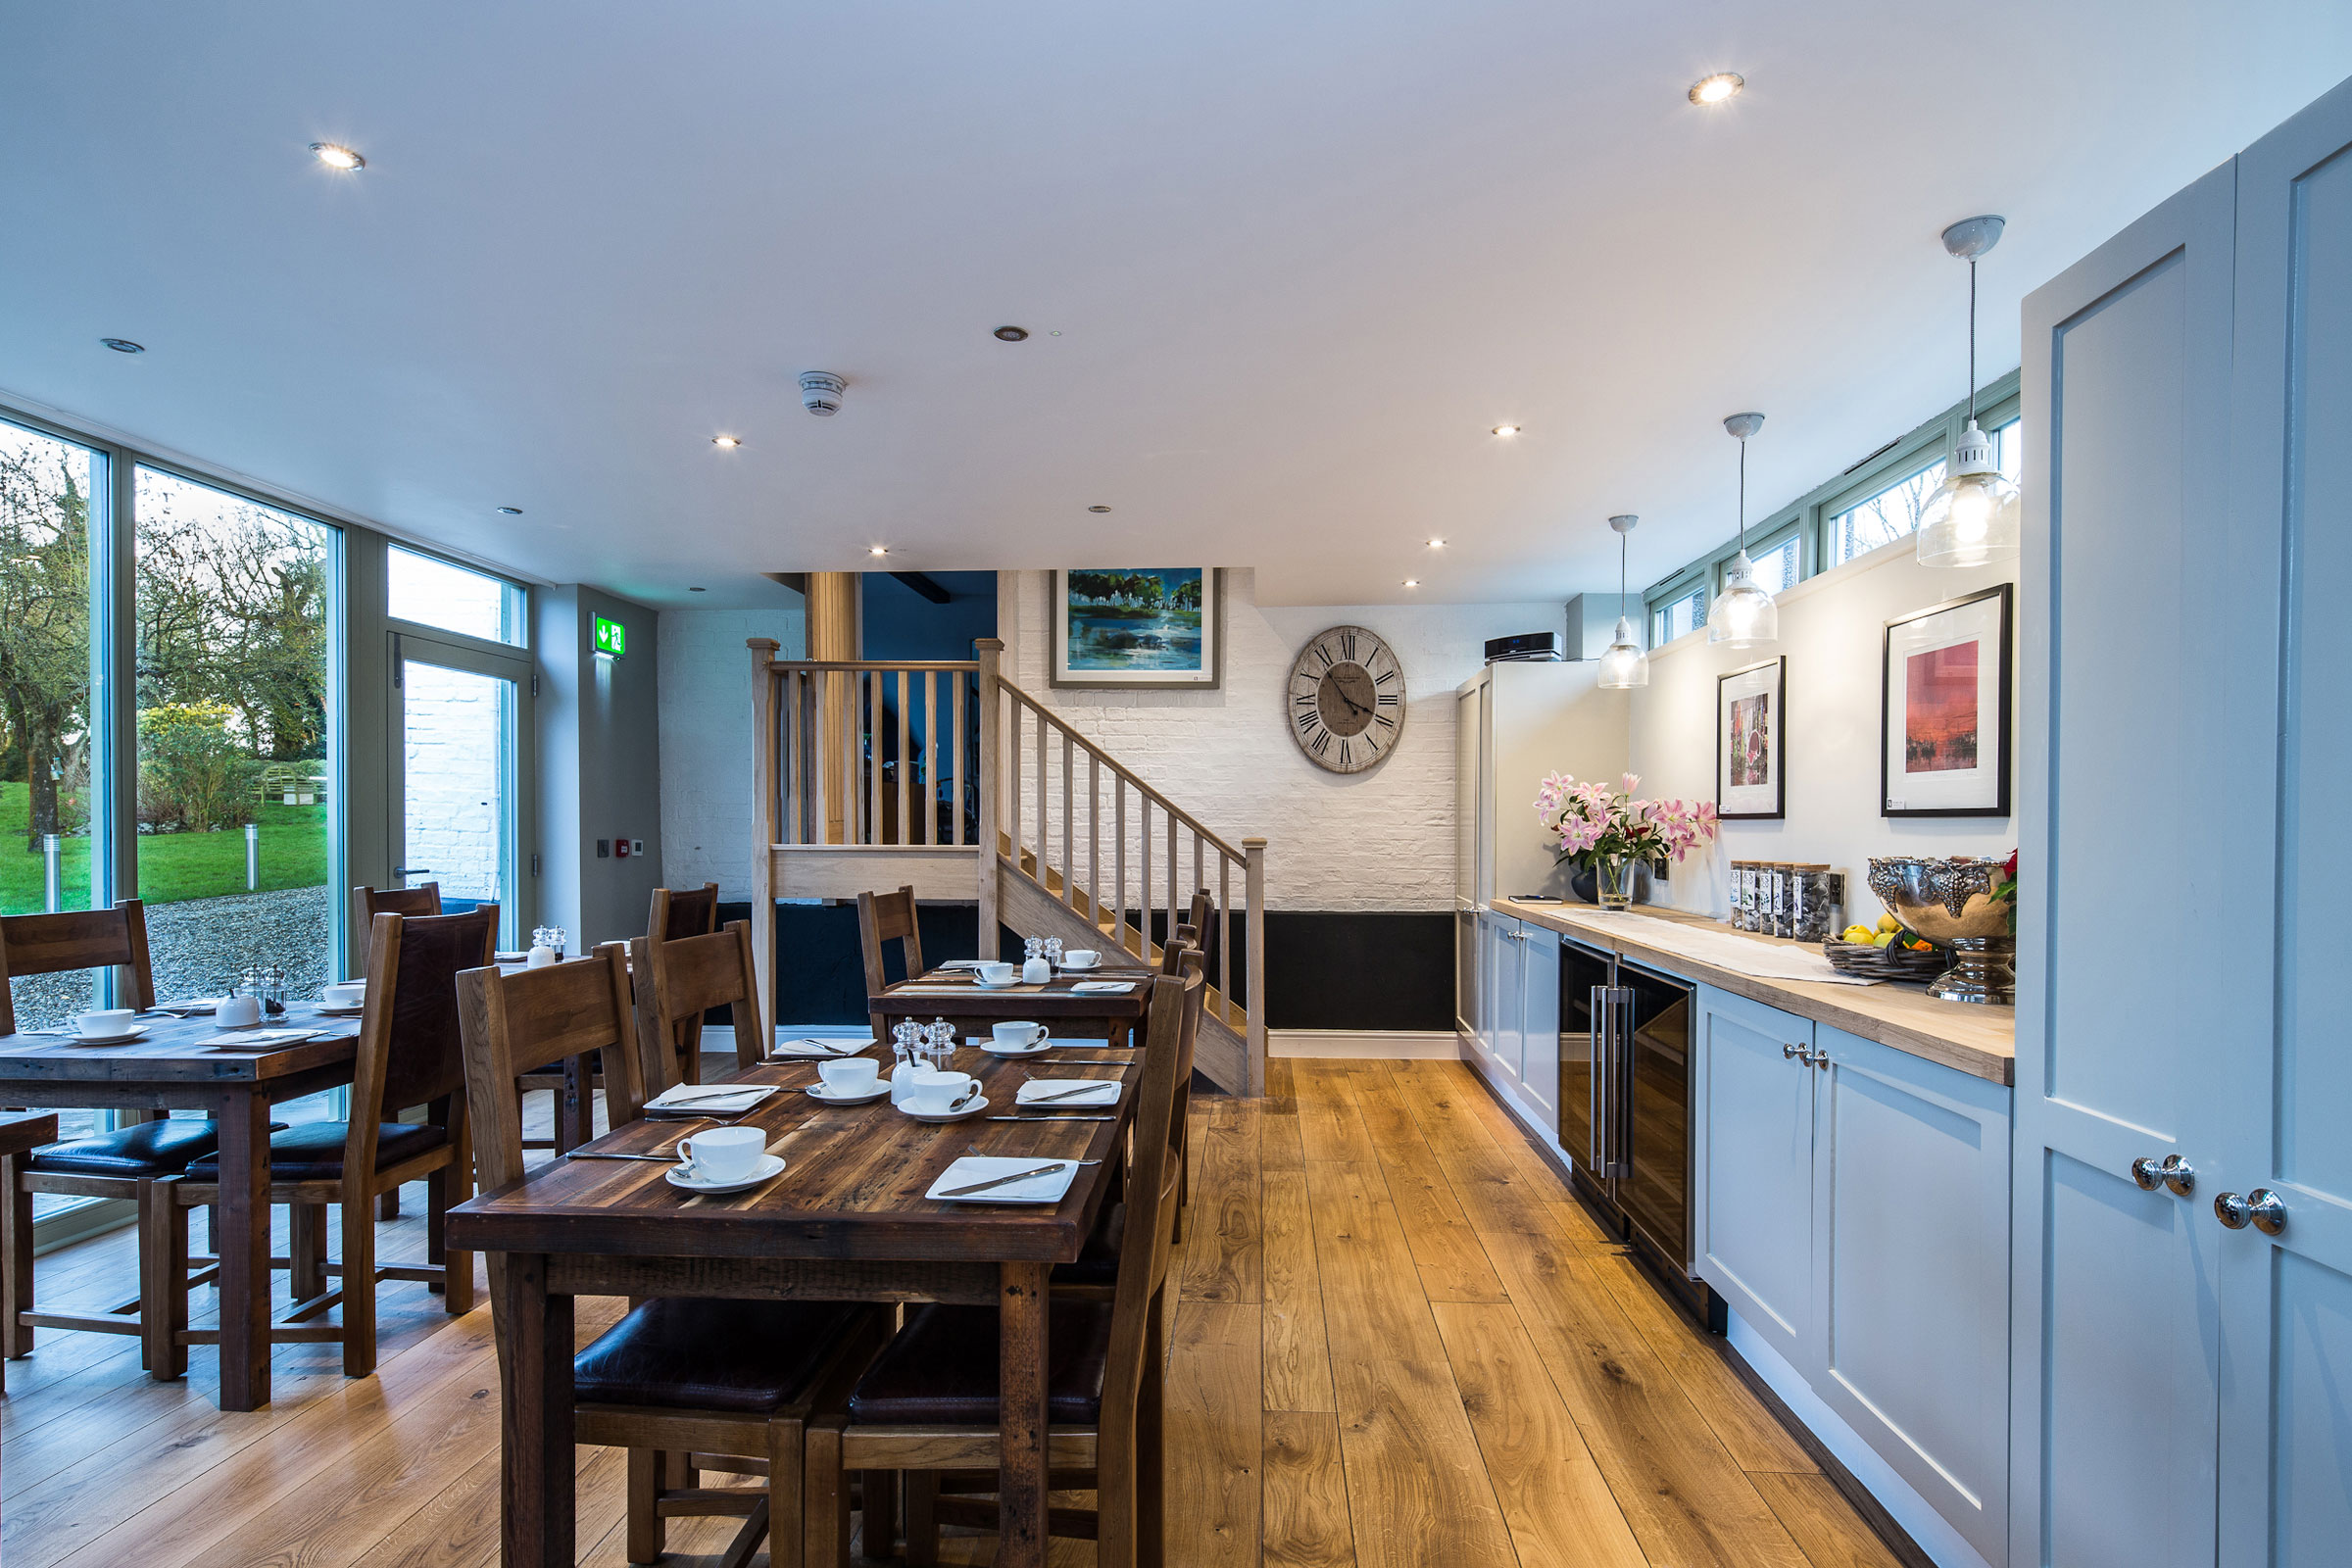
[1943, 737]
[1752, 724]
[1127, 628]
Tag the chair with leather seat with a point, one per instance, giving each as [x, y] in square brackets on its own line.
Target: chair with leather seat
[930, 1405]
[677, 914]
[409, 1053]
[677, 982]
[889, 918]
[126, 1164]
[682, 1384]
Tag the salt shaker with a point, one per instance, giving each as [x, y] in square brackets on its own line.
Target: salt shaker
[905, 1051]
[1037, 969]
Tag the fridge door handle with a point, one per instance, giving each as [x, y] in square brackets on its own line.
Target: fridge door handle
[1621, 1081]
[1596, 1083]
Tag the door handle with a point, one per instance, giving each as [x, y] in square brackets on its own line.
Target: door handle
[1817, 1059]
[2260, 1208]
[1791, 1051]
[411, 870]
[2172, 1171]
[1595, 1090]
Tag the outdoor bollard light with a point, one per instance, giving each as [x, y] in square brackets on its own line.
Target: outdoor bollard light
[253, 857]
[49, 875]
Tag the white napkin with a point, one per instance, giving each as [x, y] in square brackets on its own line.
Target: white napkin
[715, 1099]
[1102, 988]
[1060, 1092]
[980, 1167]
[813, 1050]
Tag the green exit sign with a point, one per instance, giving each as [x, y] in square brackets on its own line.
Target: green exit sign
[611, 637]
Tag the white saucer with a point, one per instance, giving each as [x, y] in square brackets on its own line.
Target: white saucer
[770, 1167]
[979, 1104]
[987, 1044]
[326, 1012]
[995, 985]
[137, 1031]
[821, 1092]
[1079, 968]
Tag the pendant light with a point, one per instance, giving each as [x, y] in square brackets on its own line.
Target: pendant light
[1624, 665]
[1743, 614]
[1972, 518]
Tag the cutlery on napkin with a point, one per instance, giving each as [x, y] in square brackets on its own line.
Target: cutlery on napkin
[1053, 1169]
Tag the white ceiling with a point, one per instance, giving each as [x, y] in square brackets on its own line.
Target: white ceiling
[1300, 256]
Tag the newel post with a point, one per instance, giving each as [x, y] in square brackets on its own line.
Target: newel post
[1254, 885]
[764, 829]
[991, 651]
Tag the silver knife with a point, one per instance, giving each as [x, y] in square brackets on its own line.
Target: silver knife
[1067, 1093]
[1053, 1169]
[1054, 1117]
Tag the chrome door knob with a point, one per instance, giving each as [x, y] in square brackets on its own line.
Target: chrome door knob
[2260, 1208]
[1792, 1052]
[2171, 1171]
[1818, 1059]
[2148, 1171]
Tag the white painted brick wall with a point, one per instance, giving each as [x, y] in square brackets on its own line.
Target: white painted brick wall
[453, 728]
[705, 726]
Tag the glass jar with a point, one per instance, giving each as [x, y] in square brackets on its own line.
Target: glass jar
[1737, 898]
[1813, 908]
[1776, 898]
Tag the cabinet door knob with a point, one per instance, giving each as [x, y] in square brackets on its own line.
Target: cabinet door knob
[2260, 1208]
[1818, 1059]
[1791, 1051]
[2148, 1172]
[2172, 1171]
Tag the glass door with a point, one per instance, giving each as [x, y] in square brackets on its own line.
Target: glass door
[460, 722]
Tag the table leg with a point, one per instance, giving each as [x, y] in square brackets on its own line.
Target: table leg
[241, 1238]
[534, 1373]
[1021, 1398]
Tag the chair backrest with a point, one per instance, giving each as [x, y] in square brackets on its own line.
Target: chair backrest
[680, 981]
[889, 918]
[368, 903]
[78, 939]
[683, 912]
[512, 1024]
[1192, 929]
[410, 1049]
[1153, 1189]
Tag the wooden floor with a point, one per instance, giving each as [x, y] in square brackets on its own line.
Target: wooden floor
[1398, 1342]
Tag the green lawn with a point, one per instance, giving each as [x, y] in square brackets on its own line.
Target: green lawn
[171, 866]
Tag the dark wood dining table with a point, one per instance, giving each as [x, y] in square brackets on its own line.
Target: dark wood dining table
[846, 1220]
[178, 1066]
[956, 995]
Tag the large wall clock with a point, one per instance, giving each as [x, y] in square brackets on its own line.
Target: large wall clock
[1345, 700]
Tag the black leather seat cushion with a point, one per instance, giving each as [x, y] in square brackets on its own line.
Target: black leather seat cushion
[683, 1354]
[313, 1152]
[942, 1368]
[1097, 1262]
[151, 1149]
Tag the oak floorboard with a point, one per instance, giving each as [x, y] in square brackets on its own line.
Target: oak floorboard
[1306, 1492]
[1222, 1243]
[1373, 1309]
[1294, 1352]
[1824, 1523]
[1329, 1129]
[1418, 1491]
[1452, 1263]
[1213, 1439]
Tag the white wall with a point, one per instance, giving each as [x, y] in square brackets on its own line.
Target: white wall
[705, 702]
[1832, 631]
[1381, 840]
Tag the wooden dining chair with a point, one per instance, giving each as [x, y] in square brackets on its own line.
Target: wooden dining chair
[1096, 1268]
[131, 1163]
[368, 903]
[679, 1381]
[679, 913]
[929, 1403]
[21, 1135]
[889, 918]
[409, 1053]
[680, 981]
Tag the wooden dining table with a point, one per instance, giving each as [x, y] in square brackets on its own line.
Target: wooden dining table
[956, 995]
[184, 1064]
[846, 1220]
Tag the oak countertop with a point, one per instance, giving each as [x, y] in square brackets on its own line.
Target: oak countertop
[1980, 1041]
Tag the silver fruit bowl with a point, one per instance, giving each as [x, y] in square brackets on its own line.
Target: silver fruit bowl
[1950, 902]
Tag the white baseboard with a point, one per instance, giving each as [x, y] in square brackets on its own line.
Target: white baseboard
[1363, 1045]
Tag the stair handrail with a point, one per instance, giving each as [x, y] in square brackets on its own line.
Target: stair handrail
[1049, 717]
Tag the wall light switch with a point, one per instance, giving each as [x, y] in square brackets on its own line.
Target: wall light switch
[636, 846]
[603, 848]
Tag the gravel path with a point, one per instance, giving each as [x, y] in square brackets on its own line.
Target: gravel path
[198, 946]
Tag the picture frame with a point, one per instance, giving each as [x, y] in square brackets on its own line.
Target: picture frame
[1751, 742]
[1944, 720]
[1137, 628]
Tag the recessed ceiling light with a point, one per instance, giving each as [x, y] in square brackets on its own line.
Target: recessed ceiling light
[334, 157]
[1507, 429]
[1721, 87]
[124, 345]
[1436, 544]
[511, 512]
[1012, 335]
[877, 549]
[725, 443]
[1097, 509]
[1413, 582]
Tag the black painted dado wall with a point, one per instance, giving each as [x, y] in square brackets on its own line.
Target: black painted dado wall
[1325, 970]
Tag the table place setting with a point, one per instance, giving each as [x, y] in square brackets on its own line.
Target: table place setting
[723, 1159]
[810, 1049]
[851, 1081]
[1017, 1037]
[257, 1039]
[707, 1100]
[1006, 1179]
[1103, 988]
[1070, 1092]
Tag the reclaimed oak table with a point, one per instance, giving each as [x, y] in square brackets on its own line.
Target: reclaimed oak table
[846, 1220]
[956, 995]
[194, 1065]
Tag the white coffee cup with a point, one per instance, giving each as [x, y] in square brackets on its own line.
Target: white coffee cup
[107, 1023]
[723, 1154]
[344, 993]
[934, 1092]
[238, 1013]
[1019, 1034]
[1080, 959]
[999, 974]
[852, 1075]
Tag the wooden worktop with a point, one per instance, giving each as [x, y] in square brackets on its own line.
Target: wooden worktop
[1976, 1040]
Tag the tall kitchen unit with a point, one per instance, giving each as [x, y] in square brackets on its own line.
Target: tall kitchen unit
[1516, 723]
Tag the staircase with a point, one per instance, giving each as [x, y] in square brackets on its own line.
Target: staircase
[1078, 846]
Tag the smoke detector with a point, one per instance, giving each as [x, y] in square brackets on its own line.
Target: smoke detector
[820, 392]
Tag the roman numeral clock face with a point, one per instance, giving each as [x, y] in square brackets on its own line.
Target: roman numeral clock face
[1345, 700]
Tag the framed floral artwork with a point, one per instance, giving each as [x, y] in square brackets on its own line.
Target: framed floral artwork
[1751, 731]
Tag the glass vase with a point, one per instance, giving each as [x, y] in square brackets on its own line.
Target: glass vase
[1613, 880]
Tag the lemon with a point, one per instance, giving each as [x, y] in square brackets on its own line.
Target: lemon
[1856, 934]
[1887, 923]
[1882, 939]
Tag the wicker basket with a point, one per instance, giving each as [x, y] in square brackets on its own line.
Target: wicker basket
[1888, 962]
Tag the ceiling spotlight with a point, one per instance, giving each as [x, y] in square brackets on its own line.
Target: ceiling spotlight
[1012, 335]
[1436, 544]
[511, 512]
[725, 443]
[1413, 582]
[1097, 509]
[1721, 87]
[1507, 429]
[877, 549]
[124, 345]
[334, 157]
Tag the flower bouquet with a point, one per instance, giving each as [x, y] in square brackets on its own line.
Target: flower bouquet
[1609, 832]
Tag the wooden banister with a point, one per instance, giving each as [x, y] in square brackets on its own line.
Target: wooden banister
[1053, 720]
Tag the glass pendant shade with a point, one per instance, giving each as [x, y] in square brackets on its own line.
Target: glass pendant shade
[1743, 614]
[1624, 665]
[1972, 518]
